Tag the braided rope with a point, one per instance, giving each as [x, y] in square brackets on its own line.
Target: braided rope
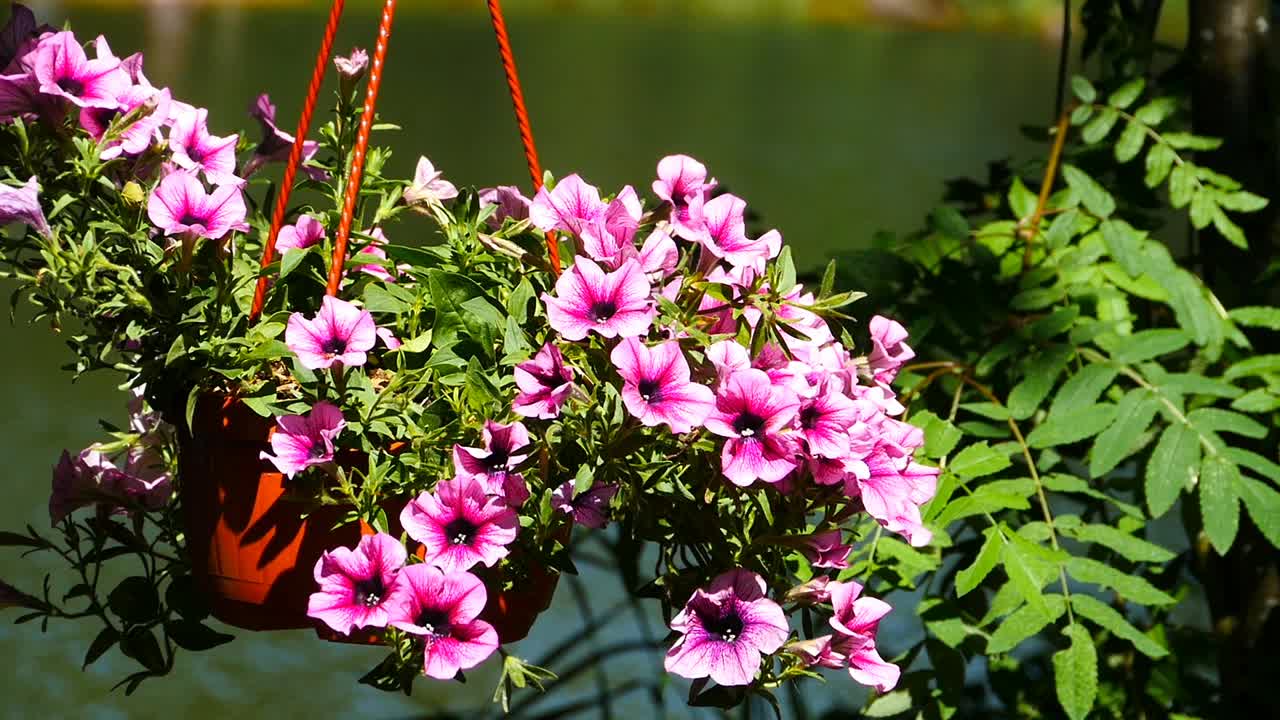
[295, 153]
[522, 114]
[356, 172]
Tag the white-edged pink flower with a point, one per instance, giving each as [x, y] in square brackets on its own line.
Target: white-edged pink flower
[569, 206]
[725, 629]
[62, 69]
[460, 524]
[682, 183]
[656, 386]
[587, 299]
[443, 609]
[180, 206]
[339, 333]
[358, 586]
[753, 414]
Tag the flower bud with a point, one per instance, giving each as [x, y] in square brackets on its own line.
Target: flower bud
[351, 69]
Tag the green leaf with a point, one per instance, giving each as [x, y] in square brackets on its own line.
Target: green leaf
[986, 499]
[105, 640]
[1082, 389]
[1263, 504]
[1083, 89]
[1126, 94]
[1194, 384]
[1075, 673]
[1258, 365]
[1090, 608]
[134, 600]
[1213, 420]
[1059, 482]
[1124, 243]
[1258, 316]
[1253, 461]
[1021, 200]
[583, 480]
[1054, 324]
[1122, 543]
[1041, 374]
[1182, 185]
[1148, 344]
[1021, 568]
[1093, 196]
[1169, 471]
[889, 704]
[940, 436]
[1242, 201]
[378, 299]
[291, 259]
[985, 561]
[1134, 414]
[1025, 623]
[1097, 129]
[1130, 142]
[1257, 401]
[176, 350]
[1160, 159]
[1223, 224]
[1202, 208]
[1220, 501]
[978, 460]
[1072, 427]
[462, 307]
[1130, 586]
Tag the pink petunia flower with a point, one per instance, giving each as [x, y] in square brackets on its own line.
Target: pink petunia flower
[889, 350]
[500, 453]
[358, 588]
[726, 234]
[826, 550]
[510, 201]
[682, 182]
[588, 509]
[301, 235]
[339, 333]
[276, 143]
[180, 206]
[587, 299]
[17, 33]
[63, 70]
[893, 492]
[429, 185]
[753, 413]
[351, 68]
[656, 387]
[610, 238]
[570, 206]
[142, 133]
[197, 150]
[443, 609]
[20, 96]
[93, 478]
[725, 629]
[545, 384]
[824, 420]
[856, 620]
[22, 205]
[818, 652]
[302, 441]
[659, 255]
[460, 524]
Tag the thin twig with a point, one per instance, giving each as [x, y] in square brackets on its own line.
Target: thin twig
[1046, 187]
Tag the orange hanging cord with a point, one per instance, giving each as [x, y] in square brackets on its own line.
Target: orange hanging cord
[355, 171]
[522, 114]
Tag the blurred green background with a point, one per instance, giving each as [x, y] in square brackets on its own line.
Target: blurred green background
[833, 120]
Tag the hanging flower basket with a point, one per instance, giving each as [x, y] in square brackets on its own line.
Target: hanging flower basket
[395, 444]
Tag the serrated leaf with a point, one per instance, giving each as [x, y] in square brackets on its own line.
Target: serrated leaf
[940, 436]
[985, 499]
[1124, 244]
[1130, 586]
[1148, 344]
[1257, 365]
[1075, 673]
[1021, 568]
[1041, 374]
[1083, 89]
[1220, 501]
[1194, 384]
[1263, 504]
[1134, 414]
[1072, 427]
[1160, 159]
[1105, 616]
[978, 460]
[1202, 207]
[1257, 316]
[1126, 94]
[1121, 543]
[1024, 623]
[1169, 470]
[1130, 142]
[983, 563]
[1257, 401]
[1182, 185]
[1253, 461]
[1214, 420]
[1082, 389]
[1093, 196]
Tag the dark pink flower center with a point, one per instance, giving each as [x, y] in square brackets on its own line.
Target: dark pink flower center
[498, 459]
[460, 532]
[725, 628]
[434, 620]
[603, 310]
[71, 86]
[195, 154]
[334, 346]
[369, 592]
[650, 390]
[809, 417]
[191, 219]
[747, 424]
[317, 449]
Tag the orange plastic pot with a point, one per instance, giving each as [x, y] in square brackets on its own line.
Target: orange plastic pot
[252, 553]
[513, 611]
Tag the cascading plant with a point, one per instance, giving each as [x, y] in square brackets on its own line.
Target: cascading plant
[460, 398]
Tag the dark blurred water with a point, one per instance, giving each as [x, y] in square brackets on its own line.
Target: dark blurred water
[830, 133]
